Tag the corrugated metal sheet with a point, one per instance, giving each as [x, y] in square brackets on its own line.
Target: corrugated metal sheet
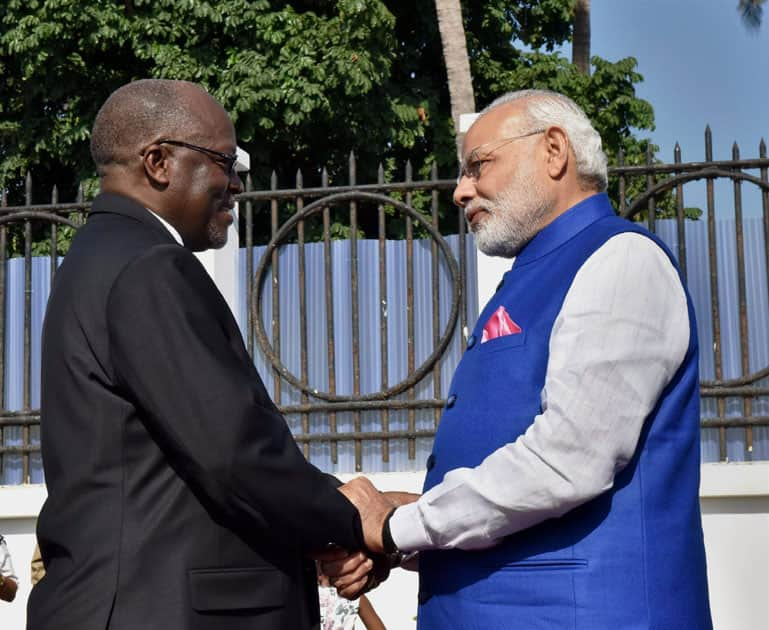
[397, 326]
[369, 335]
[698, 281]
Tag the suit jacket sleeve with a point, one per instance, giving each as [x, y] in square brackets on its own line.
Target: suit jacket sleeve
[178, 356]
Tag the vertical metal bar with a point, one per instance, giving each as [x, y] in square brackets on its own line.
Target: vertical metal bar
[383, 315]
[302, 312]
[410, 311]
[328, 268]
[464, 297]
[651, 212]
[249, 268]
[742, 296]
[765, 206]
[3, 311]
[680, 218]
[276, 383]
[80, 215]
[27, 377]
[436, 294]
[54, 236]
[622, 183]
[715, 311]
[355, 314]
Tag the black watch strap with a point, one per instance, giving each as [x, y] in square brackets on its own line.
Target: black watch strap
[388, 544]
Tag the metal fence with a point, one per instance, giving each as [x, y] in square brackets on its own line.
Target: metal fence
[375, 296]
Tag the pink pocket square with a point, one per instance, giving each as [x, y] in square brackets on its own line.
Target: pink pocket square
[499, 325]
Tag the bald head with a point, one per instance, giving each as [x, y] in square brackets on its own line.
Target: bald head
[141, 112]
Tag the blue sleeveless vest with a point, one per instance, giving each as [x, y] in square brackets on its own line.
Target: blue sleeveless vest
[632, 557]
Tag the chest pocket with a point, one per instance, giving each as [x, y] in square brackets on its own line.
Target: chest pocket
[503, 343]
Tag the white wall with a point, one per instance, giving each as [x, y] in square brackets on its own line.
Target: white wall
[735, 518]
[734, 499]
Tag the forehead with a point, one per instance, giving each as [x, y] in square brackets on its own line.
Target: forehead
[213, 122]
[500, 122]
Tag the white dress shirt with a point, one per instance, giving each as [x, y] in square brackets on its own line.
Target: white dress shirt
[620, 337]
[172, 230]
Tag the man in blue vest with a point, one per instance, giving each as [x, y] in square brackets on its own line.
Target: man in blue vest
[562, 490]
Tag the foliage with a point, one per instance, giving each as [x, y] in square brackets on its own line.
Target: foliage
[752, 13]
[306, 81]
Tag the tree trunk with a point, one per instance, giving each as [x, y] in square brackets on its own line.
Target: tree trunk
[454, 45]
[580, 48]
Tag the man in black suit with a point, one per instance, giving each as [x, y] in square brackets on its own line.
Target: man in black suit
[177, 497]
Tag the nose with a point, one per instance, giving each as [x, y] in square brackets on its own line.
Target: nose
[464, 191]
[236, 184]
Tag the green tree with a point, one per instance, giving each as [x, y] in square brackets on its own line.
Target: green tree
[306, 81]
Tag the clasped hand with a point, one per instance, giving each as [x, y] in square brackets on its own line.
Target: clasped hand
[354, 573]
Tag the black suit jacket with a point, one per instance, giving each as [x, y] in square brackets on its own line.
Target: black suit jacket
[177, 497]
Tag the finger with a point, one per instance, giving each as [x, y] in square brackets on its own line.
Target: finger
[400, 498]
[354, 590]
[348, 565]
[343, 580]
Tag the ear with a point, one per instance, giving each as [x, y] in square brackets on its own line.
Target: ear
[558, 147]
[156, 165]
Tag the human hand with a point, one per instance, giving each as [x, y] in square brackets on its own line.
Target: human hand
[373, 507]
[8, 588]
[351, 573]
[401, 498]
[348, 572]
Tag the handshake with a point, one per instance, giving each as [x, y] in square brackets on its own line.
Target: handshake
[354, 573]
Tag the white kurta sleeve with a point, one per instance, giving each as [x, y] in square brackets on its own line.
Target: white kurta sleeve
[621, 335]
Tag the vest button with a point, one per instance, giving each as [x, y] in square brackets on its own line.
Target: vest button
[430, 462]
[471, 341]
[451, 400]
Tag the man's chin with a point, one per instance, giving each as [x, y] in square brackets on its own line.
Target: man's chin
[491, 245]
[218, 243]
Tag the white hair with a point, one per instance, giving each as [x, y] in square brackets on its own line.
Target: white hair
[543, 108]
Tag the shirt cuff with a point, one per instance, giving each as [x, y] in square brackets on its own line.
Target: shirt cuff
[407, 529]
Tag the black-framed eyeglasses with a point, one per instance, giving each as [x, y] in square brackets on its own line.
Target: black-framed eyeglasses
[471, 165]
[226, 160]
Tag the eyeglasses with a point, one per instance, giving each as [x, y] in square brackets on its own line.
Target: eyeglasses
[471, 165]
[226, 160]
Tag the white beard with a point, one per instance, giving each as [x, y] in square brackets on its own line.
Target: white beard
[513, 217]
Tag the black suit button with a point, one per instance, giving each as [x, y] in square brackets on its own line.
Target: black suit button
[471, 341]
[430, 462]
[451, 400]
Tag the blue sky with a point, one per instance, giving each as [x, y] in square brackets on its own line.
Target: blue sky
[700, 66]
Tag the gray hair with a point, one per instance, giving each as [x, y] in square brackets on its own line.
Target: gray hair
[137, 114]
[543, 108]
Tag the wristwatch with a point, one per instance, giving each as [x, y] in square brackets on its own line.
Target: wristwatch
[394, 555]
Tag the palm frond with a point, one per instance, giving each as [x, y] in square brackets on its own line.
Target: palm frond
[752, 13]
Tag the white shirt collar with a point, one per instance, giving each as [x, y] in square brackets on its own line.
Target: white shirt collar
[168, 226]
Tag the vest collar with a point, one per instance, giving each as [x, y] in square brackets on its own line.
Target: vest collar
[565, 227]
